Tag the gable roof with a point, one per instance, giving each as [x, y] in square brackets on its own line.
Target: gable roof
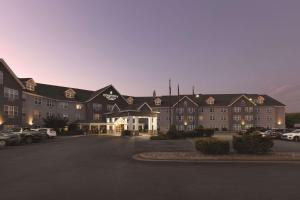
[11, 72]
[240, 98]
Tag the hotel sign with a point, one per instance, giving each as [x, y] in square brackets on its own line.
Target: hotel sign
[110, 96]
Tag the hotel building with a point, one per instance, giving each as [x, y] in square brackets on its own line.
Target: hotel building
[25, 103]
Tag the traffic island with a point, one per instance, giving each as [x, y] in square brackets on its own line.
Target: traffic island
[199, 157]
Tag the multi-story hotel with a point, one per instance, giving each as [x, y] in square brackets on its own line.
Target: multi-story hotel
[25, 103]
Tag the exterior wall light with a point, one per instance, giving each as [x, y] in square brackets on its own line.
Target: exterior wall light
[279, 122]
[30, 121]
[185, 123]
[243, 123]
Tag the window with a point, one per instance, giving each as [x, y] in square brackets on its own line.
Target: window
[210, 101]
[109, 107]
[249, 109]
[211, 110]
[249, 117]
[223, 110]
[96, 116]
[247, 126]
[36, 114]
[212, 117]
[78, 106]
[257, 110]
[38, 100]
[201, 109]
[11, 111]
[236, 117]
[260, 100]
[70, 94]
[157, 101]
[223, 117]
[1, 78]
[201, 118]
[269, 118]
[107, 120]
[78, 116]
[65, 115]
[179, 118]
[191, 118]
[11, 94]
[190, 127]
[130, 100]
[30, 85]
[97, 107]
[185, 103]
[257, 118]
[237, 127]
[50, 103]
[49, 114]
[179, 110]
[180, 127]
[237, 109]
[268, 110]
[191, 110]
[64, 105]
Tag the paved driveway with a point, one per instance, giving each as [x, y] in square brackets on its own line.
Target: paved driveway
[101, 168]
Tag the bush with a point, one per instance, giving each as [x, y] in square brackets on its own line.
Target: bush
[252, 144]
[212, 146]
[126, 133]
[159, 137]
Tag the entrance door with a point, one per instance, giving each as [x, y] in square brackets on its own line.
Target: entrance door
[120, 128]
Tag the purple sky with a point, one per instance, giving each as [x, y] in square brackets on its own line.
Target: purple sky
[220, 46]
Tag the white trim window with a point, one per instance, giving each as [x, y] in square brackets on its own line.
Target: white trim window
[191, 110]
[211, 109]
[11, 111]
[49, 114]
[237, 109]
[50, 103]
[223, 110]
[223, 117]
[249, 109]
[212, 117]
[249, 117]
[237, 127]
[11, 94]
[1, 78]
[38, 100]
[36, 114]
[96, 116]
[237, 117]
[79, 106]
[191, 118]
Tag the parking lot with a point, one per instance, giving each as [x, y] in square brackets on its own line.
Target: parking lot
[100, 167]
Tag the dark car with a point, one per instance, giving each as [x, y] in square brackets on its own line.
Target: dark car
[9, 138]
[21, 135]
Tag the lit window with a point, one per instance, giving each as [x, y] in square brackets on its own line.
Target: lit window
[237, 117]
[70, 94]
[157, 101]
[260, 100]
[210, 101]
[11, 111]
[78, 106]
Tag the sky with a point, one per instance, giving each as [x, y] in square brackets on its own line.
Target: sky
[232, 46]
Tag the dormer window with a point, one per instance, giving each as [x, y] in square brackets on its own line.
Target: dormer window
[70, 94]
[157, 101]
[130, 100]
[260, 100]
[210, 101]
[30, 85]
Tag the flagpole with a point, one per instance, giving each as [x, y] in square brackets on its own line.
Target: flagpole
[170, 104]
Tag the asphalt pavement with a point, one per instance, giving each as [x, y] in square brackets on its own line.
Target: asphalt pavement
[101, 167]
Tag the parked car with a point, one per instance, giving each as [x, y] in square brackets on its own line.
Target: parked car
[24, 135]
[294, 135]
[9, 138]
[50, 132]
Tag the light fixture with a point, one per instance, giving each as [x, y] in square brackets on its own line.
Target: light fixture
[243, 123]
[185, 123]
[30, 121]
[197, 95]
[279, 122]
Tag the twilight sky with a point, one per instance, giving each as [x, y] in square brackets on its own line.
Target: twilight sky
[220, 46]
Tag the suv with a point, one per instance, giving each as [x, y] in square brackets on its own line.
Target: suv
[294, 135]
[50, 132]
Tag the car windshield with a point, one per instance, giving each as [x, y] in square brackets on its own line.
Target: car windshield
[296, 131]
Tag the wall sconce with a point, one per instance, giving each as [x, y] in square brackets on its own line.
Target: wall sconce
[185, 123]
[243, 123]
[279, 122]
[30, 121]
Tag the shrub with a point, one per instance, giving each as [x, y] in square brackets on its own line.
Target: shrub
[212, 146]
[252, 144]
[159, 137]
[224, 129]
[126, 133]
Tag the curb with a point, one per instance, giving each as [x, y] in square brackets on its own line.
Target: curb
[137, 157]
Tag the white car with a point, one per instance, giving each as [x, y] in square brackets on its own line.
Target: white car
[265, 133]
[51, 133]
[294, 135]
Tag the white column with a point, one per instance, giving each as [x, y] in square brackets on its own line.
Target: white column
[154, 123]
[150, 123]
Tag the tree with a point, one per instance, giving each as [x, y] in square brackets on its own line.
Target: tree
[291, 119]
[55, 122]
